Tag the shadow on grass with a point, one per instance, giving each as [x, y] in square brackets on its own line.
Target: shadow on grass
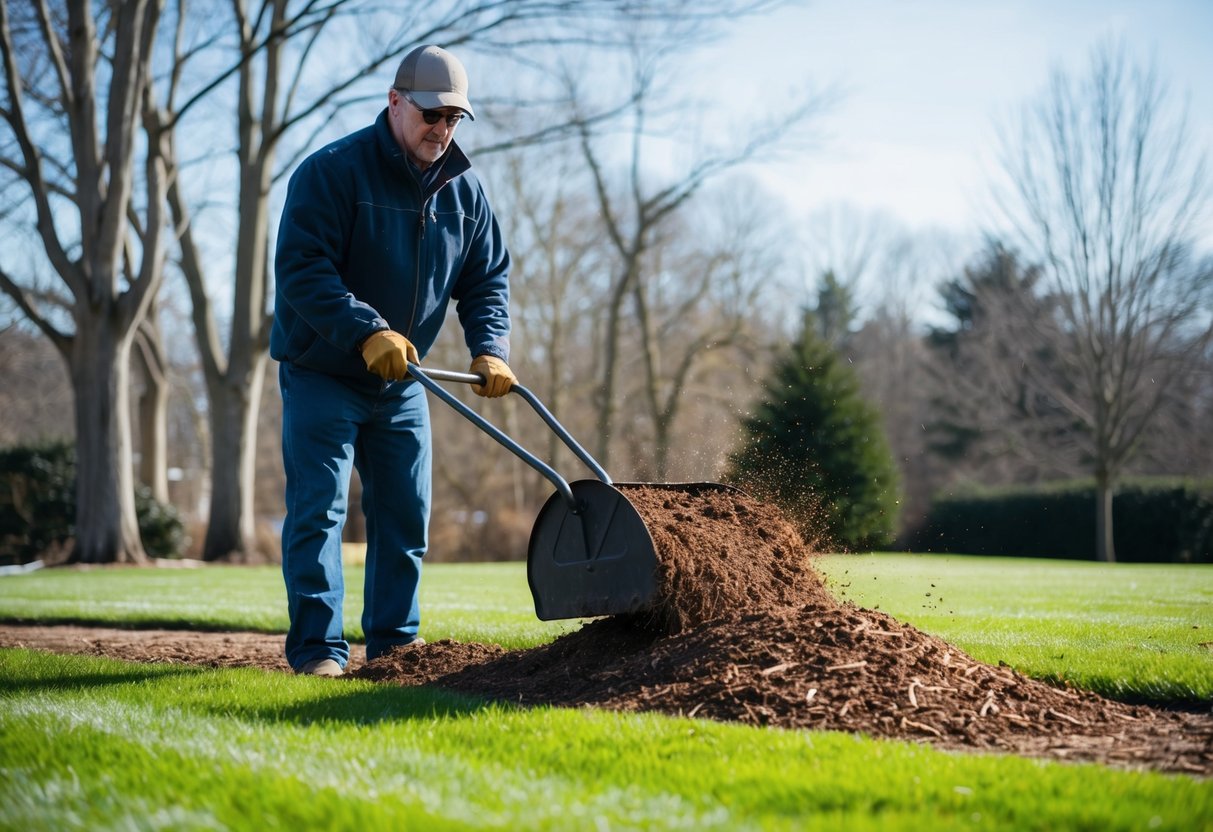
[361, 704]
[241, 693]
[29, 671]
[135, 623]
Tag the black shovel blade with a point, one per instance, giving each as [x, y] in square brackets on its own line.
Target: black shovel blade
[597, 560]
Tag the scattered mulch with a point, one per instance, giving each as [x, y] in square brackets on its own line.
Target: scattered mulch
[744, 630]
[834, 667]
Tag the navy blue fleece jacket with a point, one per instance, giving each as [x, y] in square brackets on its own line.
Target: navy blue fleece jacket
[361, 247]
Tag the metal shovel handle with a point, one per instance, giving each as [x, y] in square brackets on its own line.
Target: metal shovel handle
[429, 378]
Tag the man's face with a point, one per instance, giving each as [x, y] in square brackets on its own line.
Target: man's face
[424, 143]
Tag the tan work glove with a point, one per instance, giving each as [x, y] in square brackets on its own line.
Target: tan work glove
[387, 354]
[498, 377]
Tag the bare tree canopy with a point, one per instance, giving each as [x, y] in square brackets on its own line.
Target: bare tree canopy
[638, 205]
[1106, 191]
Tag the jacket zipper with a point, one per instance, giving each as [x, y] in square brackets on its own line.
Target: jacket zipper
[417, 271]
[425, 207]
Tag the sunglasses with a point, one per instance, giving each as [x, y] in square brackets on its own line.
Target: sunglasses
[432, 116]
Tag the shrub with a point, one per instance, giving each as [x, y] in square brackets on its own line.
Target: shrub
[38, 506]
[160, 525]
[37, 500]
[1154, 521]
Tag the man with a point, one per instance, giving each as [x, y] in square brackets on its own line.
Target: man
[381, 229]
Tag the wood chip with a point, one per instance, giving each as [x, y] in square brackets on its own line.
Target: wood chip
[1066, 717]
[913, 698]
[776, 669]
[921, 726]
[847, 666]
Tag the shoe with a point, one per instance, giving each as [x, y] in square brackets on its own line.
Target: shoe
[321, 667]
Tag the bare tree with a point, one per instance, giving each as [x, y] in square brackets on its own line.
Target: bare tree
[638, 210]
[83, 195]
[1106, 190]
[556, 245]
[707, 280]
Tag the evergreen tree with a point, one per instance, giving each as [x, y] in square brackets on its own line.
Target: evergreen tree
[816, 449]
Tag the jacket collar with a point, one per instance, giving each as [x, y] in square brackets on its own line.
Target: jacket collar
[454, 162]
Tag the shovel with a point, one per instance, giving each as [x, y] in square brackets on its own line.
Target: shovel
[590, 553]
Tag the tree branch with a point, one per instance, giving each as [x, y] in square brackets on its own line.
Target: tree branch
[29, 306]
[67, 270]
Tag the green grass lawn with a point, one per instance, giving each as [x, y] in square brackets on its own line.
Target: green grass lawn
[92, 743]
[1131, 631]
[487, 602]
[97, 744]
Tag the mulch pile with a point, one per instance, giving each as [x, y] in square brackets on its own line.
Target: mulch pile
[745, 630]
[720, 552]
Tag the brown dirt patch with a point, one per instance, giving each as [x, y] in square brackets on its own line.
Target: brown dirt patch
[745, 631]
[259, 650]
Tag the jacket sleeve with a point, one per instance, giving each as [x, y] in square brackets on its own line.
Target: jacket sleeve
[312, 238]
[482, 292]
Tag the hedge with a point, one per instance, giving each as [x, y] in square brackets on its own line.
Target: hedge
[38, 506]
[1153, 521]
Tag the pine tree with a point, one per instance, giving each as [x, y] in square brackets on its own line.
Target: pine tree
[816, 449]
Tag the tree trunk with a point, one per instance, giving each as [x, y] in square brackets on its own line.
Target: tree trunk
[107, 529]
[153, 409]
[231, 528]
[1105, 549]
[610, 358]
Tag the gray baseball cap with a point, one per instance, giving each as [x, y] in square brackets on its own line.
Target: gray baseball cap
[434, 78]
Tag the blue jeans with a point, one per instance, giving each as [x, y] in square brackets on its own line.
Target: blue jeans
[327, 427]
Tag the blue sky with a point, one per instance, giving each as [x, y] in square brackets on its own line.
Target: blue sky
[926, 81]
